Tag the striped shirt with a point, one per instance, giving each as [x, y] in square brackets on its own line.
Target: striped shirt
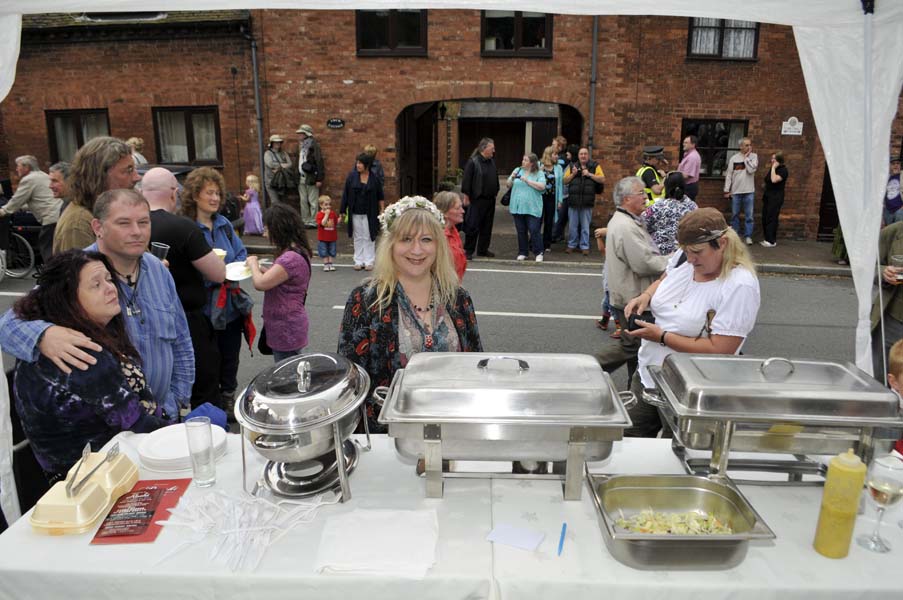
[157, 328]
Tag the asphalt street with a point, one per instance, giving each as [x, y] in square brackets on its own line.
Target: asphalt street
[549, 308]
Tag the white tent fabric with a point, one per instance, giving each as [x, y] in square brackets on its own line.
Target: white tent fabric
[830, 37]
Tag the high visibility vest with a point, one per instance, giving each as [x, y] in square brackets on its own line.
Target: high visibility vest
[651, 197]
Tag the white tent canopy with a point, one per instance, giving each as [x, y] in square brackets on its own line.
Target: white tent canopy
[853, 108]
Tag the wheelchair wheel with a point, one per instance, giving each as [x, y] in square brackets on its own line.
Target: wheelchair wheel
[19, 257]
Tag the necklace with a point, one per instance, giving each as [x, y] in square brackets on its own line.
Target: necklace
[136, 272]
[427, 309]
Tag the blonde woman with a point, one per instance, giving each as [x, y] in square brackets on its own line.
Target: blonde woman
[706, 304]
[413, 302]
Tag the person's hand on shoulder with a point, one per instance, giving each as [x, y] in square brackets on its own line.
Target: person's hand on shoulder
[66, 348]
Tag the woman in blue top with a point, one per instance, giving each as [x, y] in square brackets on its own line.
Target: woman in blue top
[528, 183]
[201, 199]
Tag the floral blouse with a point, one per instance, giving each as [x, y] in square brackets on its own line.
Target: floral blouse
[381, 340]
[60, 413]
[661, 221]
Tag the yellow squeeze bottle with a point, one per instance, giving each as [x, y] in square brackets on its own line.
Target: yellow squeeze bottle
[839, 503]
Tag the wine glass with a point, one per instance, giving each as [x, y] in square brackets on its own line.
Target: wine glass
[885, 484]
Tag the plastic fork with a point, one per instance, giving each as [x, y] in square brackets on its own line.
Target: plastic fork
[86, 452]
[111, 454]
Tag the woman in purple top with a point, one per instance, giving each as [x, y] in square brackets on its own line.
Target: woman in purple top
[285, 283]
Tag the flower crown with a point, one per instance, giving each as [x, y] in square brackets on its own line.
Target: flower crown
[388, 216]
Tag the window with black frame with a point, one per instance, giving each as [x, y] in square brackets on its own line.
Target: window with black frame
[718, 140]
[188, 135]
[68, 130]
[724, 39]
[392, 32]
[514, 33]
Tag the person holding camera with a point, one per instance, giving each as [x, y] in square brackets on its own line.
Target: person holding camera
[632, 263]
[705, 303]
[584, 179]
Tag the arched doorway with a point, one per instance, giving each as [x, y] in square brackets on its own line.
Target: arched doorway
[435, 139]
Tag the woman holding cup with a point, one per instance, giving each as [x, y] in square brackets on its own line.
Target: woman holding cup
[887, 308]
[202, 198]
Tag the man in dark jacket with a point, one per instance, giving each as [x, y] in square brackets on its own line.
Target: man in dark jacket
[480, 186]
[311, 171]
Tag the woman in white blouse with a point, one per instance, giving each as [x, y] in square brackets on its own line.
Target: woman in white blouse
[706, 302]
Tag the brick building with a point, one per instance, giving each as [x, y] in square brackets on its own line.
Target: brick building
[422, 86]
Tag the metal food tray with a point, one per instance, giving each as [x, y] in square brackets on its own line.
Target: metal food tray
[485, 407]
[746, 404]
[630, 494]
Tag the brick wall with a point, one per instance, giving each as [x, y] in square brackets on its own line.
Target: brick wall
[128, 79]
[310, 73]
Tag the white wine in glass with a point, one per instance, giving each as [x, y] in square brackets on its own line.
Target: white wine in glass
[885, 485]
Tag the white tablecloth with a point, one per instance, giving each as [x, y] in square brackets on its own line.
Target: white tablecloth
[468, 567]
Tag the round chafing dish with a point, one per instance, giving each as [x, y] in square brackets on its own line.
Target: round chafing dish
[303, 408]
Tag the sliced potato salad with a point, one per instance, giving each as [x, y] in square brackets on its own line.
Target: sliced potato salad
[660, 523]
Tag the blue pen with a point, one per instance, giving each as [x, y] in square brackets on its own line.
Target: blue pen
[564, 529]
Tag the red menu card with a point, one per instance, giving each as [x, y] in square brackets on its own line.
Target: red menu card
[133, 518]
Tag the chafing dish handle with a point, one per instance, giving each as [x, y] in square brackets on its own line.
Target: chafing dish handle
[380, 393]
[264, 443]
[775, 359]
[522, 365]
[628, 398]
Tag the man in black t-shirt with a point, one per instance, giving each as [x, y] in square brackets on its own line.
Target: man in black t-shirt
[191, 260]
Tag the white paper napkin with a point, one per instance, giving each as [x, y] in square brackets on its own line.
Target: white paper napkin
[397, 542]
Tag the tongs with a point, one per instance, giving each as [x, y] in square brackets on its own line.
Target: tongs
[111, 454]
[86, 452]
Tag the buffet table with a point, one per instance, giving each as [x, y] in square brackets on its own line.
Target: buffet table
[37, 566]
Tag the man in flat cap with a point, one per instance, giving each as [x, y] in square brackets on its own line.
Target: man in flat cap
[310, 167]
[273, 160]
[653, 173]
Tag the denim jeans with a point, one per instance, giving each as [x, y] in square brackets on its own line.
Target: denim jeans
[892, 217]
[531, 224]
[742, 202]
[280, 355]
[578, 227]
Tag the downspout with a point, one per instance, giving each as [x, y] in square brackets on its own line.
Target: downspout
[259, 113]
[592, 86]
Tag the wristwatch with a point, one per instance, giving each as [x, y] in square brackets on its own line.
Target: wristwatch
[662, 339]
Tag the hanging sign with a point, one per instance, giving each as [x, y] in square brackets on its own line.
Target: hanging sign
[792, 126]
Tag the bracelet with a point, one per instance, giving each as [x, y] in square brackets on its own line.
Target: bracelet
[662, 339]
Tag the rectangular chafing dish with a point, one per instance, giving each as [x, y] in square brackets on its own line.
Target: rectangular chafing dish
[490, 407]
[749, 404]
[626, 495]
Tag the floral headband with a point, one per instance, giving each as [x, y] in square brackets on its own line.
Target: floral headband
[388, 216]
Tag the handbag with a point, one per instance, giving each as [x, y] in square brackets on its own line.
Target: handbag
[506, 199]
[262, 346]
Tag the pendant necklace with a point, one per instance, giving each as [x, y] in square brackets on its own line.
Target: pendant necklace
[684, 294]
[427, 328]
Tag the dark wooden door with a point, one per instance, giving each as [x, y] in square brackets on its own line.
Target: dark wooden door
[508, 137]
[544, 131]
[827, 211]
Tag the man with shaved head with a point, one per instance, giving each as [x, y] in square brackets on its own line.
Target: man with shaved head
[191, 260]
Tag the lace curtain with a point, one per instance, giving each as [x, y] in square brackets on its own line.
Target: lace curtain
[739, 38]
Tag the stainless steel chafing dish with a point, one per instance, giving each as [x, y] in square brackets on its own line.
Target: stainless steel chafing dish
[748, 404]
[488, 407]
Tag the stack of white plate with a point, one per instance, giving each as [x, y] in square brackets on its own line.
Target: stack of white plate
[167, 449]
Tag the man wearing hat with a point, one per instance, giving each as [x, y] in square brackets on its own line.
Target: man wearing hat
[653, 173]
[310, 166]
[273, 160]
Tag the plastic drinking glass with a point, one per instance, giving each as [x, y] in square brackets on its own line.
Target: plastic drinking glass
[200, 447]
[159, 249]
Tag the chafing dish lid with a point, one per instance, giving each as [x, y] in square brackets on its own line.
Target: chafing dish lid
[536, 388]
[302, 392]
[750, 387]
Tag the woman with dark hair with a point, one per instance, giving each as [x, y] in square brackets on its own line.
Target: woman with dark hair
[362, 201]
[663, 217]
[202, 198]
[62, 412]
[285, 283]
[773, 199]
[527, 183]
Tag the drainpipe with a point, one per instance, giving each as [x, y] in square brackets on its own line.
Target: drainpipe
[592, 86]
[259, 112]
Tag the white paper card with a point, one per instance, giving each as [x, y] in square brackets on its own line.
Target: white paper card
[525, 539]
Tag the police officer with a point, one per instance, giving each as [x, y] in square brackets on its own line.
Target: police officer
[653, 173]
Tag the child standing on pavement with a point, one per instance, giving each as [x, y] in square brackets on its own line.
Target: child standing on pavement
[327, 233]
[252, 214]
